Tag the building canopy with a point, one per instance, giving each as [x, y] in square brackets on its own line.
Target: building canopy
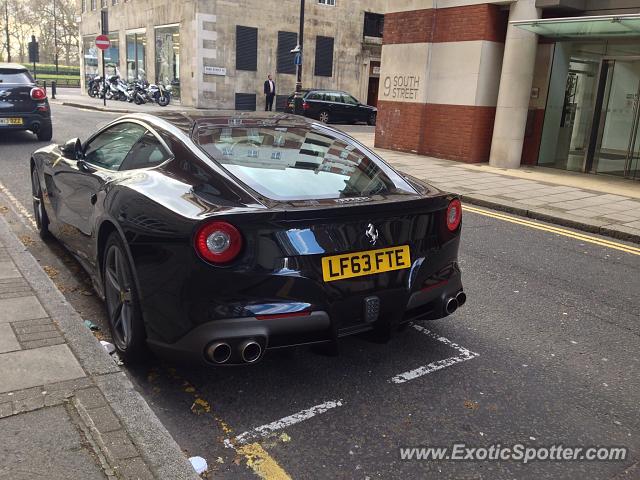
[620, 26]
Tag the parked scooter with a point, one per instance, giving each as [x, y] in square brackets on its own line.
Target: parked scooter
[94, 88]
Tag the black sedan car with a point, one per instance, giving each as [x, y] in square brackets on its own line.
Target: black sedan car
[217, 237]
[23, 105]
[332, 106]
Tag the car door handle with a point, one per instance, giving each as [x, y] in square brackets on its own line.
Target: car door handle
[94, 199]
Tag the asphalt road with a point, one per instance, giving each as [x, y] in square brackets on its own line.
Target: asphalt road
[546, 351]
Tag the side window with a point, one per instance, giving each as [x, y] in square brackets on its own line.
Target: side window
[334, 97]
[349, 100]
[109, 149]
[148, 152]
[315, 96]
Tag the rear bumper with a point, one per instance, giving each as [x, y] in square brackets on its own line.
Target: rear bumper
[319, 326]
[31, 121]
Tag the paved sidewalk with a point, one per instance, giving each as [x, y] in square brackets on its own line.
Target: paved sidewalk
[67, 411]
[593, 203]
[73, 97]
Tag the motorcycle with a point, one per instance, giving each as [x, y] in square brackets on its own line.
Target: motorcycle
[111, 91]
[94, 88]
[139, 94]
[160, 93]
[125, 91]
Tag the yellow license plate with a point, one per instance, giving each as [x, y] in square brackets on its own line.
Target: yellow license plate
[369, 262]
[11, 121]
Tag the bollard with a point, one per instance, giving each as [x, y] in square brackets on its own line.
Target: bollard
[54, 84]
[44, 85]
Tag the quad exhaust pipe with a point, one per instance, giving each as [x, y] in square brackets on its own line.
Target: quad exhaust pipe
[250, 351]
[461, 297]
[221, 352]
[451, 304]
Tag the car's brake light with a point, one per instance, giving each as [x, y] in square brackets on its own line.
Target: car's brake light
[305, 106]
[38, 93]
[454, 214]
[218, 242]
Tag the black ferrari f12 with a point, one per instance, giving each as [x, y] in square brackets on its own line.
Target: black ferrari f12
[217, 237]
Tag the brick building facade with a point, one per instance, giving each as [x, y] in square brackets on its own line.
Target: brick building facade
[479, 81]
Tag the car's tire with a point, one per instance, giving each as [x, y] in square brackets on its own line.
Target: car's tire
[45, 133]
[39, 213]
[122, 302]
[372, 119]
[324, 116]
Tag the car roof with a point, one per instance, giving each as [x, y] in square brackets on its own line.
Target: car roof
[12, 66]
[186, 120]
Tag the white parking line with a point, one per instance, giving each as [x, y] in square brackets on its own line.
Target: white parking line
[266, 430]
[465, 355]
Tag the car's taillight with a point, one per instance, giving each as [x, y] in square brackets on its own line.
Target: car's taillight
[38, 93]
[305, 106]
[454, 214]
[218, 242]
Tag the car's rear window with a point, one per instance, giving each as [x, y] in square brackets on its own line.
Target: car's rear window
[297, 163]
[15, 77]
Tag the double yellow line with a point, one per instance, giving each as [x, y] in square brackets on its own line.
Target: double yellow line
[557, 230]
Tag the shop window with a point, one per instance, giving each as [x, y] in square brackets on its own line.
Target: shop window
[168, 58]
[136, 54]
[324, 56]
[112, 55]
[246, 48]
[287, 41]
[90, 55]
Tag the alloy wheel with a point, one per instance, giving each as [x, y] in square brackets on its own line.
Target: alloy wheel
[119, 297]
[324, 117]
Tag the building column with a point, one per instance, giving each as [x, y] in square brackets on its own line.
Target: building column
[515, 88]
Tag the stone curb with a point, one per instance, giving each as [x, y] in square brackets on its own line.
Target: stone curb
[551, 216]
[158, 449]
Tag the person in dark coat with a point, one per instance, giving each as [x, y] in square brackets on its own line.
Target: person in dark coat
[270, 93]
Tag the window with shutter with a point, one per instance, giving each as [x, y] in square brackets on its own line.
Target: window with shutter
[287, 41]
[324, 56]
[246, 48]
[246, 101]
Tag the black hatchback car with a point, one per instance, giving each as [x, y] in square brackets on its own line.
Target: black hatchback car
[331, 106]
[23, 105]
[218, 236]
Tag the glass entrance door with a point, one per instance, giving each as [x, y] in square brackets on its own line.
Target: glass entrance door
[618, 143]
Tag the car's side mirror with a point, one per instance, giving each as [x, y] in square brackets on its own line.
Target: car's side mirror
[72, 149]
[85, 167]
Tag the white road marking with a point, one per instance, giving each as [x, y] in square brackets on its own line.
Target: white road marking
[266, 430]
[17, 207]
[465, 355]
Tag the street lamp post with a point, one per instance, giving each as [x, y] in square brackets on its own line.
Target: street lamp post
[6, 28]
[55, 36]
[298, 95]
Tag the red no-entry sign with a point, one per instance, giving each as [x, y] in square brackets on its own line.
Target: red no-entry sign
[102, 42]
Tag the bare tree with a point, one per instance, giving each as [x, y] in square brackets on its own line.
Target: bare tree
[21, 19]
